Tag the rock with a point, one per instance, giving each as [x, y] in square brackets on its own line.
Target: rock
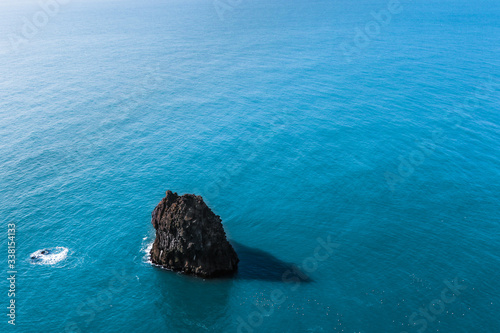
[190, 238]
[40, 254]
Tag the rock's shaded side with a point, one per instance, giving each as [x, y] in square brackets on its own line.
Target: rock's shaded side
[190, 238]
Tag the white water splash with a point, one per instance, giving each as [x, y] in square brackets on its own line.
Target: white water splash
[49, 256]
[148, 245]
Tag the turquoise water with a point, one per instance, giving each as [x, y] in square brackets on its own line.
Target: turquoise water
[301, 123]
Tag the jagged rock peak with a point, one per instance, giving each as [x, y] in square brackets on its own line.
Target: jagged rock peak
[190, 238]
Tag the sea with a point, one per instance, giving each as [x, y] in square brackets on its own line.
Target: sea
[351, 149]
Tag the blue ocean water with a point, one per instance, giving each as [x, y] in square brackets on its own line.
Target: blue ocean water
[350, 148]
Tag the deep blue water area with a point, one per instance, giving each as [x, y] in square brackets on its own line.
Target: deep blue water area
[351, 149]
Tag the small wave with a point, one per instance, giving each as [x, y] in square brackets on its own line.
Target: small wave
[49, 256]
[144, 256]
[147, 251]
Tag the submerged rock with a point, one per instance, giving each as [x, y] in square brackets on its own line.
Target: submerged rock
[49, 256]
[190, 238]
[39, 254]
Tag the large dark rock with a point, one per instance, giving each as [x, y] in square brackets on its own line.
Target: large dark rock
[190, 238]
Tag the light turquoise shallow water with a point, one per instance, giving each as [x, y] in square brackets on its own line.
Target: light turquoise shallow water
[296, 130]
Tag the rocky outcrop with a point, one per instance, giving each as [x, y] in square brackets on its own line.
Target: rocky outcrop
[190, 238]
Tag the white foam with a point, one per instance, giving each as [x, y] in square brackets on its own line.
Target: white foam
[54, 255]
[147, 252]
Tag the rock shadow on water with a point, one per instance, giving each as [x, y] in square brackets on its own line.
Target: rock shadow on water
[256, 264]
